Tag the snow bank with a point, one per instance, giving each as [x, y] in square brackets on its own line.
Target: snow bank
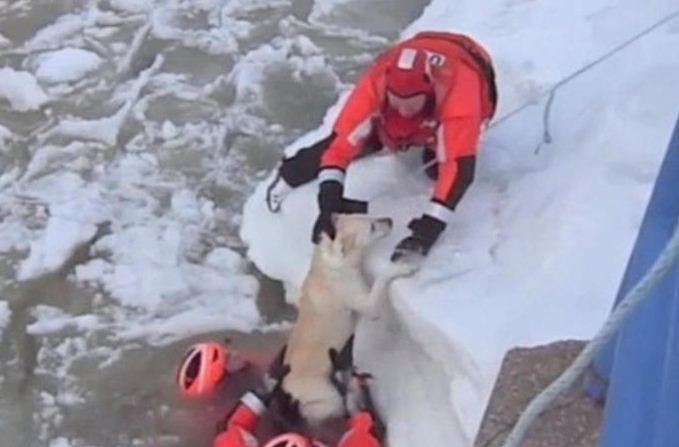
[537, 247]
[66, 65]
[21, 89]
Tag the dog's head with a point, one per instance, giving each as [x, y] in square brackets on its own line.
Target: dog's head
[353, 234]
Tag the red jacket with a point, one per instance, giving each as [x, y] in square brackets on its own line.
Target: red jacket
[463, 101]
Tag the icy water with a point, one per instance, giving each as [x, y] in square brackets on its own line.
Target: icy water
[214, 89]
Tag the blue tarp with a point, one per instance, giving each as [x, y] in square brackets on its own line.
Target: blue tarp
[641, 366]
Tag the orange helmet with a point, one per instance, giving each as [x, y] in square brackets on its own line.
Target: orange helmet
[202, 368]
[409, 74]
[407, 82]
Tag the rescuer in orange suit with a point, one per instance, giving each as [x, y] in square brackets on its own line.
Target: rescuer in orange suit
[364, 427]
[433, 91]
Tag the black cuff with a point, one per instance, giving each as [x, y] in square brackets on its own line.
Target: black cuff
[330, 196]
[427, 228]
[352, 206]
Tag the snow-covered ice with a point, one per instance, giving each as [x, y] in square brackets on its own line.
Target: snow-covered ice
[75, 211]
[4, 314]
[51, 35]
[50, 320]
[5, 135]
[65, 65]
[60, 442]
[21, 89]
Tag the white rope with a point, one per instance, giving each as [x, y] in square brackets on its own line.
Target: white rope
[631, 301]
[616, 49]
[546, 136]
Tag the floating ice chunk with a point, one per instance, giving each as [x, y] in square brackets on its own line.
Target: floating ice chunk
[226, 259]
[75, 211]
[136, 46]
[105, 129]
[93, 270]
[69, 398]
[52, 320]
[169, 130]
[21, 89]
[5, 136]
[49, 158]
[66, 65]
[53, 34]
[131, 5]
[185, 205]
[60, 442]
[325, 8]
[4, 314]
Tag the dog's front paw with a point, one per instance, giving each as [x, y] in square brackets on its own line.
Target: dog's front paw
[406, 266]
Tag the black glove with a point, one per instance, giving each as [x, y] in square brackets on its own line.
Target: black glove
[425, 231]
[329, 202]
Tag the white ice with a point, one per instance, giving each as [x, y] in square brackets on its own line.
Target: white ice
[21, 89]
[53, 34]
[65, 65]
[59, 442]
[4, 314]
[5, 136]
[50, 320]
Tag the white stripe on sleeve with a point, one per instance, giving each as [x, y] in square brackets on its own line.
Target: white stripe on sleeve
[334, 174]
[440, 212]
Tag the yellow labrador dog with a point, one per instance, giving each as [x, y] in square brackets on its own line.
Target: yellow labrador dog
[334, 295]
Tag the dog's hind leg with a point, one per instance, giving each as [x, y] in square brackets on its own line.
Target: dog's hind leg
[342, 368]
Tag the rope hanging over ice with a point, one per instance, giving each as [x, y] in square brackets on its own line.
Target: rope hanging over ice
[629, 304]
[546, 137]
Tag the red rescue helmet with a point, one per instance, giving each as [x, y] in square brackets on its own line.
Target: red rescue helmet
[202, 368]
[407, 82]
